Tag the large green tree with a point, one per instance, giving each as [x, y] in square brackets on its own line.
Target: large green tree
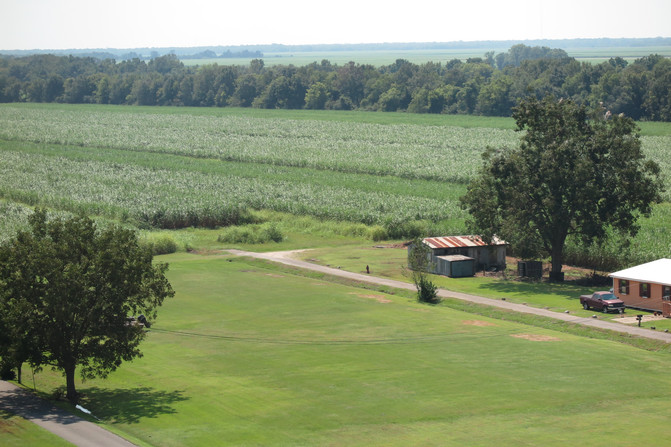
[576, 172]
[67, 290]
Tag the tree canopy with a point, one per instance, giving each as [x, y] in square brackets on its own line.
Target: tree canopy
[483, 86]
[576, 172]
[67, 290]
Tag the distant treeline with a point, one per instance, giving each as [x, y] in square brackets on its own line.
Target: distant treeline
[490, 85]
[258, 50]
[204, 54]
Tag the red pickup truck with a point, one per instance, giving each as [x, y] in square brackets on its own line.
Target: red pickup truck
[603, 301]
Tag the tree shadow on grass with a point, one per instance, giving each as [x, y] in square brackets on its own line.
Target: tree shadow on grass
[129, 406]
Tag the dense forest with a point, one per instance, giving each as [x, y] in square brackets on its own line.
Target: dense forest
[490, 85]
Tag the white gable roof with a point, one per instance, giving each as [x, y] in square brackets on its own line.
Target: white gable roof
[658, 272]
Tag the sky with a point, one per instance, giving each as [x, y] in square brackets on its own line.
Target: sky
[70, 24]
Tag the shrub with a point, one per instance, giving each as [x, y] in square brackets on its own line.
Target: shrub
[251, 234]
[273, 233]
[159, 244]
[427, 292]
[238, 235]
[377, 233]
[163, 245]
[399, 228]
[204, 217]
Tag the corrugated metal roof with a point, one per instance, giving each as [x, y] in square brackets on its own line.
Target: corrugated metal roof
[459, 241]
[658, 272]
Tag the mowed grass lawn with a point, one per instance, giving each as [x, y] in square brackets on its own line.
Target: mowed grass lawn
[18, 432]
[246, 354]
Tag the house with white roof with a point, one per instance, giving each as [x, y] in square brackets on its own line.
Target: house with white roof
[646, 286]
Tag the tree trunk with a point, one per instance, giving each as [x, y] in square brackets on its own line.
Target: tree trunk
[71, 393]
[18, 373]
[557, 260]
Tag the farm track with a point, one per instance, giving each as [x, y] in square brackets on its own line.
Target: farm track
[287, 258]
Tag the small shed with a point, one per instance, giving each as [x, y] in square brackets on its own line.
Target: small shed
[455, 266]
[646, 286]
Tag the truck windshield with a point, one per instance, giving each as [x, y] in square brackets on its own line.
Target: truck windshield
[608, 296]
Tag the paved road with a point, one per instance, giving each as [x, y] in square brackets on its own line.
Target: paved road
[286, 257]
[60, 422]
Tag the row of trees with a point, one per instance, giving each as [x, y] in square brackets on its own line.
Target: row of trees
[490, 85]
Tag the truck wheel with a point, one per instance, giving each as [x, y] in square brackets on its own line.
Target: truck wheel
[585, 306]
[605, 309]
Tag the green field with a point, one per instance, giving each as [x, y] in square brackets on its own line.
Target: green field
[387, 57]
[177, 167]
[250, 354]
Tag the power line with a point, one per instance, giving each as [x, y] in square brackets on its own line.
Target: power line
[333, 342]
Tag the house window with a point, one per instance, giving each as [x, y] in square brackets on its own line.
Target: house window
[644, 290]
[624, 287]
[666, 293]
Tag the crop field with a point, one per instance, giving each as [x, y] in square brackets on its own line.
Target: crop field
[148, 192]
[247, 353]
[429, 152]
[387, 57]
[180, 167]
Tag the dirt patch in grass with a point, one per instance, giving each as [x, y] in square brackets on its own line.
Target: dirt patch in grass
[379, 298]
[477, 323]
[272, 275]
[583, 275]
[535, 337]
[633, 320]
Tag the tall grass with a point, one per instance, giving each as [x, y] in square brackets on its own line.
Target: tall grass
[652, 242]
[164, 198]
[14, 217]
[429, 152]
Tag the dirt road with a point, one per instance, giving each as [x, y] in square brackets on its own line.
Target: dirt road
[287, 257]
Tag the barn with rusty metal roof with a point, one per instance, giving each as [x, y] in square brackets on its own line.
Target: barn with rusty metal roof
[459, 256]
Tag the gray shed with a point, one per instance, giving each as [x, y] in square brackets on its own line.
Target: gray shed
[455, 266]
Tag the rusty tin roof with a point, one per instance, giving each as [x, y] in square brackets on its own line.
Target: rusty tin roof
[459, 241]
